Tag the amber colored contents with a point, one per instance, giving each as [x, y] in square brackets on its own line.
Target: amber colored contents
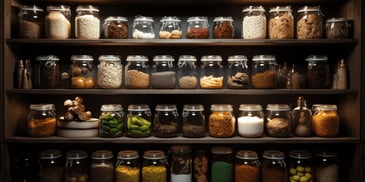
[154, 174]
[223, 30]
[42, 127]
[127, 174]
[197, 33]
[325, 124]
[221, 124]
[247, 173]
[266, 79]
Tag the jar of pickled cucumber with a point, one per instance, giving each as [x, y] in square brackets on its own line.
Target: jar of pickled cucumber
[111, 120]
[127, 168]
[139, 121]
[154, 167]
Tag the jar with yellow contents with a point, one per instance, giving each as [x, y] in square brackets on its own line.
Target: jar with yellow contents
[154, 167]
[221, 121]
[325, 121]
[127, 167]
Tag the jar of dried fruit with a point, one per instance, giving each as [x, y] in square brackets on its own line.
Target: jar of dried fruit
[83, 72]
[197, 28]
[41, 120]
[247, 166]
[137, 72]
[309, 23]
[222, 122]
[116, 27]
[223, 28]
[264, 69]
[278, 120]
[211, 75]
[281, 23]
[326, 121]
[170, 28]
[238, 73]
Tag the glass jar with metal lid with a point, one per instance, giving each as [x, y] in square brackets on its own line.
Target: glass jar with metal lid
[83, 72]
[166, 121]
[187, 72]
[300, 166]
[102, 166]
[317, 72]
[309, 22]
[254, 23]
[197, 28]
[77, 166]
[326, 166]
[127, 167]
[137, 73]
[110, 72]
[143, 27]
[193, 120]
[116, 27]
[273, 167]
[163, 73]
[238, 72]
[30, 22]
[337, 28]
[278, 120]
[87, 22]
[111, 120]
[222, 164]
[58, 22]
[250, 122]
[154, 167]
[47, 72]
[281, 23]
[181, 163]
[41, 120]
[211, 75]
[247, 166]
[326, 121]
[223, 28]
[264, 69]
[50, 166]
[170, 28]
[139, 122]
[222, 122]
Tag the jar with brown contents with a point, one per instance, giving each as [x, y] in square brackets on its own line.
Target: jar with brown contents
[247, 166]
[30, 22]
[223, 28]
[83, 72]
[77, 166]
[273, 167]
[317, 72]
[200, 163]
[222, 123]
[278, 120]
[50, 166]
[197, 28]
[137, 73]
[325, 121]
[116, 27]
[41, 120]
[47, 72]
[238, 73]
[281, 23]
[309, 23]
[102, 167]
[264, 69]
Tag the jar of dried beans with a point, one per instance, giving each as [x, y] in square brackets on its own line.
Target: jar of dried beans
[281, 23]
[102, 166]
[87, 22]
[326, 121]
[250, 122]
[238, 72]
[278, 120]
[273, 167]
[50, 166]
[211, 76]
[163, 73]
[30, 22]
[154, 167]
[317, 72]
[247, 166]
[254, 23]
[116, 27]
[139, 122]
[197, 28]
[77, 166]
[222, 164]
[181, 163]
[264, 68]
[300, 166]
[222, 122]
[326, 166]
[58, 22]
[137, 72]
[223, 28]
[193, 120]
[47, 72]
[166, 121]
[187, 72]
[111, 120]
[143, 28]
[127, 168]
[83, 72]
[109, 71]
[170, 28]
[337, 28]
[41, 120]
[309, 23]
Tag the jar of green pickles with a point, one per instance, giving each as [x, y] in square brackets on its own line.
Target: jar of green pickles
[154, 167]
[139, 121]
[127, 167]
[111, 120]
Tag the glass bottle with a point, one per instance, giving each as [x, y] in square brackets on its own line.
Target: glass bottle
[163, 72]
[30, 22]
[181, 163]
[154, 167]
[77, 166]
[50, 166]
[273, 167]
[197, 28]
[250, 122]
[326, 167]
[127, 167]
[309, 22]
[87, 22]
[47, 72]
[58, 22]
[116, 27]
[111, 120]
[337, 28]
[238, 72]
[187, 72]
[300, 166]
[170, 28]
[281, 23]
[264, 68]
[83, 72]
[41, 120]
[143, 28]
[222, 164]
[317, 72]
[211, 76]
[166, 121]
[302, 119]
[102, 166]
[278, 120]
[193, 120]
[110, 72]
[247, 166]
[139, 122]
[326, 121]
[222, 122]
[254, 23]
[137, 73]
[223, 28]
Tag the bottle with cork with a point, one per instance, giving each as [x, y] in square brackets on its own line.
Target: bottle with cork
[342, 74]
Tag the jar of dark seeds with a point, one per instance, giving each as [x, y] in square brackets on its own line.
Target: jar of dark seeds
[30, 22]
[102, 166]
[163, 73]
[317, 72]
[187, 74]
[193, 120]
[166, 121]
[238, 73]
[46, 72]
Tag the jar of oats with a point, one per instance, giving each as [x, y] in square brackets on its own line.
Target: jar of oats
[326, 121]
[58, 24]
[170, 28]
[87, 22]
[309, 23]
[109, 71]
[281, 23]
[222, 122]
[254, 23]
[137, 73]
[211, 76]
[30, 22]
[264, 69]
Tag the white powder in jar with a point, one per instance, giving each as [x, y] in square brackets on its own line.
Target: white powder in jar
[87, 27]
[250, 126]
[58, 26]
[142, 35]
[254, 27]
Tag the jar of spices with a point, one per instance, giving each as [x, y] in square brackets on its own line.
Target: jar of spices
[170, 28]
[47, 72]
[102, 166]
[139, 122]
[193, 120]
[137, 73]
[41, 120]
[200, 163]
[222, 164]
[143, 28]
[278, 120]
[87, 22]
[116, 27]
[281, 23]
[154, 167]
[254, 23]
[83, 72]
[211, 76]
[50, 166]
[247, 166]
[264, 68]
[273, 167]
[326, 121]
[127, 167]
[309, 23]
[77, 166]
[300, 166]
[109, 71]
[111, 120]
[317, 72]
[337, 28]
[163, 72]
[30, 22]
[237, 74]
[187, 72]
[222, 122]
[197, 27]
[166, 121]
[250, 120]
[181, 163]
[223, 28]
[326, 166]
[58, 22]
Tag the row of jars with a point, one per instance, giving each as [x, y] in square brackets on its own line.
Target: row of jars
[280, 25]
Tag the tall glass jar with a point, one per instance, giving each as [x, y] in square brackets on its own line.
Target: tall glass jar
[166, 121]
[211, 76]
[193, 120]
[223, 28]
[137, 73]
[326, 121]
[300, 166]
[30, 22]
[273, 167]
[111, 120]
[250, 122]
[58, 22]
[87, 22]
[170, 28]
[139, 122]
[102, 166]
[222, 164]
[116, 27]
[247, 166]
[238, 72]
[222, 122]
[337, 28]
[264, 68]
[187, 72]
[110, 72]
[197, 28]
[77, 166]
[41, 120]
[47, 72]
[281, 23]
[326, 167]
[278, 120]
[163, 72]
[254, 23]
[127, 167]
[309, 23]
[201, 163]
[50, 166]
[83, 72]
[317, 72]
[181, 163]
[154, 167]
[143, 28]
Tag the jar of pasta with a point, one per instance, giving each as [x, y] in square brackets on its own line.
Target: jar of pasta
[50, 166]
[163, 73]
[250, 122]
[139, 122]
[254, 23]
[181, 163]
[116, 27]
[30, 22]
[317, 72]
[77, 166]
[326, 121]
[222, 164]
[211, 76]
[247, 166]
[264, 68]
[197, 27]
[143, 28]
[274, 167]
[170, 28]
[281, 23]
[154, 167]
[111, 120]
[102, 166]
[337, 28]
[83, 72]
[278, 120]
[110, 71]
[300, 166]
[326, 166]
[127, 168]
[222, 122]
[87, 22]
[187, 72]
[58, 22]
[137, 73]
[309, 23]
[47, 72]
[238, 73]
[41, 120]
[166, 121]
[193, 120]
[223, 28]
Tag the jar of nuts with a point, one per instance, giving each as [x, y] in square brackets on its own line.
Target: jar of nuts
[264, 68]
[170, 28]
[309, 23]
[281, 23]
[83, 72]
[197, 28]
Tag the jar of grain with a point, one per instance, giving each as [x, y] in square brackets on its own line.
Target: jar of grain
[222, 164]
[116, 27]
[278, 120]
[264, 69]
[154, 167]
[309, 23]
[127, 167]
[254, 23]
[187, 72]
[273, 167]
[281, 23]
[102, 166]
[317, 72]
[170, 28]
[163, 72]
[181, 163]
[143, 28]
[87, 22]
[211, 75]
[247, 166]
[326, 166]
[137, 72]
[47, 72]
[77, 166]
[166, 121]
[139, 122]
[223, 28]
[238, 72]
[111, 120]
[50, 166]
[110, 71]
[41, 120]
[83, 72]
[300, 166]
[30, 22]
[337, 28]
[222, 122]
[193, 120]
[326, 121]
[58, 22]
[251, 120]
[197, 28]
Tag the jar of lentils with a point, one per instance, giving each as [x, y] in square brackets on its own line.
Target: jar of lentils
[223, 28]
[247, 166]
[254, 23]
[47, 72]
[317, 72]
[116, 27]
[309, 23]
[187, 72]
[197, 28]
[193, 120]
[110, 71]
[281, 23]
[137, 73]
[222, 122]
[170, 28]
[143, 28]
[211, 76]
[264, 69]
[58, 22]
[127, 168]
[238, 72]
[154, 167]
[278, 120]
[87, 22]
[83, 72]
[30, 22]
[166, 121]
[139, 122]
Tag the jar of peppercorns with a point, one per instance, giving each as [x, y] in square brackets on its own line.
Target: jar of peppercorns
[83, 72]
[116, 27]
[197, 28]
[223, 28]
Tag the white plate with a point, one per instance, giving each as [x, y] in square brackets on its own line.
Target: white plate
[91, 123]
[77, 133]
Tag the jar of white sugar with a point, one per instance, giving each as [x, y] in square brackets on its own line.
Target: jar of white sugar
[251, 120]
[87, 22]
[143, 28]
[254, 23]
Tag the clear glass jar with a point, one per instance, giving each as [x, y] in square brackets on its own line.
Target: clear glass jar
[223, 28]
[77, 166]
[47, 72]
[317, 72]
[143, 28]
[326, 167]
[111, 120]
[170, 28]
[127, 167]
[264, 69]
[250, 122]
[50, 166]
[187, 72]
[247, 166]
[300, 166]
[154, 167]
[337, 28]
[309, 23]
[281, 23]
[116, 27]
[41, 120]
[87, 22]
[197, 28]
[110, 72]
[273, 167]
[238, 72]
[102, 166]
[163, 73]
[326, 121]
[254, 23]
[139, 122]
[83, 72]
[30, 22]
[58, 22]
[166, 121]
[193, 120]
[278, 120]
[222, 164]
[211, 76]
[181, 163]
[200, 163]
[222, 122]
[137, 73]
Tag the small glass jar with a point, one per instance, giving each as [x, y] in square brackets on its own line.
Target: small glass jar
[187, 72]
[143, 28]
[58, 22]
[309, 23]
[181, 163]
[127, 167]
[250, 122]
[222, 164]
[223, 28]
[200, 166]
[326, 121]
[83, 72]
[139, 122]
[111, 120]
[317, 72]
[197, 28]
[163, 73]
[41, 120]
[264, 68]
[254, 23]
[110, 72]
[211, 76]
[238, 72]
[300, 166]
[278, 120]
[273, 167]
[222, 122]
[87, 22]
[30, 22]
[166, 121]
[337, 28]
[326, 166]
[137, 73]
[50, 166]
[47, 72]
[281, 23]
[77, 166]
[193, 120]
[247, 166]
[154, 167]
[170, 28]
[116, 27]
[102, 166]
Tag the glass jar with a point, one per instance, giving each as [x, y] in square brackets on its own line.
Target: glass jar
[309, 23]
[237, 73]
[181, 163]
[317, 72]
[30, 22]
[116, 27]
[102, 166]
[77, 166]
[137, 73]
[163, 72]
[139, 121]
[193, 120]
[278, 120]
[187, 72]
[110, 72]
[302, 119]
[170, 28]
[326, 167]
[211, 76]
[197, 28]
[223, 28]
[83, 71]
[87, 22]
[166, 121]
[326, 121]
[58, 22]
[337, 28]
[264, 68]
[143, 28]
[47, 72]
[111, 120]
[154, 167]
[127, 167]
[273, 167]
[300, 166]
[247, 166]
[200, 164]
[251, 120]
[50, 166]
[281, 23]
[222, 164]
[222, 122]
[41, 120]
[254, 23]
